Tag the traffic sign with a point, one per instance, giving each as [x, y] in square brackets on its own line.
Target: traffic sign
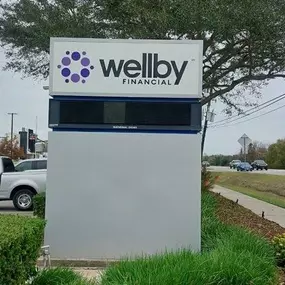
[244, 141]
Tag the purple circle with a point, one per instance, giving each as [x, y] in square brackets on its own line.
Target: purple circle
[91, 67]
[65, 72]
[83, 81]
[59, 66]
[85, 72]
[75, 55]
[75, 77]
[85, 61]
[66, 80]
[66, 61]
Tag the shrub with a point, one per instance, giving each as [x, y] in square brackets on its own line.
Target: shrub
[279, 246]
[20, 242]
[39, 202]
[60, 276]
[208, 180]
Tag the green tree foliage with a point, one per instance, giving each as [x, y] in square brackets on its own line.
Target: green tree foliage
[220, 159]
[243, 40]
[276, 155]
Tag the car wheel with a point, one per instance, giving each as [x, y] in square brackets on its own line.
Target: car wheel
[23, 200]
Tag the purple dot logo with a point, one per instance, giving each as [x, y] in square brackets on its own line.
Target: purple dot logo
[82, 63]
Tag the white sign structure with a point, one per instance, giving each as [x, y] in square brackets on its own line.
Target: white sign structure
[139, 191]
[126, 68]
[244, 141]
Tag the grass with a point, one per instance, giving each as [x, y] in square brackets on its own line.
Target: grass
[268, 188]
[230, 255]
[60, 276]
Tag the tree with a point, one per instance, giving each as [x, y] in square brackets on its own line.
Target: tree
[219, 159]
[257, 150]
[276, 155]
[243, 40]
[5, 148]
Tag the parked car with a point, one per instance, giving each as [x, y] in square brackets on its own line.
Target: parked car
[234, 164]
[20, 186]
[205, 163]
[259, 165]
[31, 164]
[244, 166]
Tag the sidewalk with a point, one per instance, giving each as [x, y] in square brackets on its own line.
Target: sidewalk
[271, 212]
[90, 273]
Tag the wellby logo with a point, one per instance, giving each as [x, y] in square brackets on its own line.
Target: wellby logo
[150, 70]
[66, 70]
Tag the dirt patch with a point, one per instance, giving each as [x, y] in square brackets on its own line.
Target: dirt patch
[231, 213]
[282, 276]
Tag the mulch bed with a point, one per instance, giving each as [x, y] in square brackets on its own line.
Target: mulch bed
[231, 213]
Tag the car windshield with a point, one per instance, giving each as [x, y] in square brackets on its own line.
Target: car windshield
[260, 161]
[245, 164]
[236, 161]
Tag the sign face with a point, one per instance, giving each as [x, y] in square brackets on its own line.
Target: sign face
[245, 141]
[126, 68]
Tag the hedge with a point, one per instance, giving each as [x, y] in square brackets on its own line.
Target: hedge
[39, 202]
[20, 242]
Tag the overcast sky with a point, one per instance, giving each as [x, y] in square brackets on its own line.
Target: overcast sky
[29, 100]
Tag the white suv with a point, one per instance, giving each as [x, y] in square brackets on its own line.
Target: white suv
[31, 164]
[22, 184]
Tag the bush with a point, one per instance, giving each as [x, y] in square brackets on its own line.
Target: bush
[279, 246]
[208, 180]
[20, 242]
[230, 255]
[39, 202]
[60, 276]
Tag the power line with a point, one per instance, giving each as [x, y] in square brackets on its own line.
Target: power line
[271, 111]
[245, 114]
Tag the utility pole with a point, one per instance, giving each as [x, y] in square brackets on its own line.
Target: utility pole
[36, 125]
[12, 130]
[205, 126]
[244, 148]
[208, 117]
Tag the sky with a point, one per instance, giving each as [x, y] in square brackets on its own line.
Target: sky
[27, 98]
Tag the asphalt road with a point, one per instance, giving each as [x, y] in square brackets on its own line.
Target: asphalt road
[268, 172]
[7, 207]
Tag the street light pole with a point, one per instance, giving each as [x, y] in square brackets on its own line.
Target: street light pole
[12, 130]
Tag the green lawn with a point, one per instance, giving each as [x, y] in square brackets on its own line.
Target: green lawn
[268, 188]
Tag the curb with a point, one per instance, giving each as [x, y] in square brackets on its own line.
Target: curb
[98, 264]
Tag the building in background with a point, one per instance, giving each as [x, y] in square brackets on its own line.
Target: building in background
[31, 144]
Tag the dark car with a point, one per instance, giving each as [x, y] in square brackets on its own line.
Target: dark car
[259, 165]
[244, 166]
